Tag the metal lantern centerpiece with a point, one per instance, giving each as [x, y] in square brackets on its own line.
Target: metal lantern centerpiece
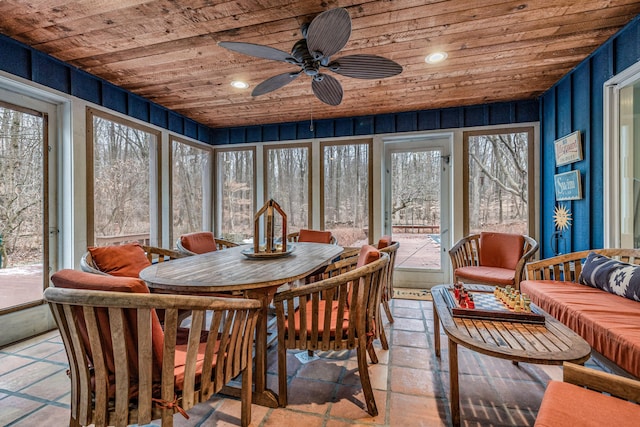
[270, 248]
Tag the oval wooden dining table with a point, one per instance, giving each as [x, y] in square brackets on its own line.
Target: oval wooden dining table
[230, 271]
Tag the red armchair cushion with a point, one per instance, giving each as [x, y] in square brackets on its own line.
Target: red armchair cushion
[123, 260]
[502, 250]
[199, 242]
[314, 236]
[73, 279]
[496, 275]
[368, 254]
[384, 242]
[567, 404]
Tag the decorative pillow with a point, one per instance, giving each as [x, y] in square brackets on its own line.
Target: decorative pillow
[384, 242]
[126, 260]
[611, 275]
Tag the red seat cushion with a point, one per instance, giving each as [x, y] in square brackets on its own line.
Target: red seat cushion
[126, 260]
[502, 250]
[314, 236]
[495, 275]
[384, 242]
[608, 322]
[566, 405]
[200, 242]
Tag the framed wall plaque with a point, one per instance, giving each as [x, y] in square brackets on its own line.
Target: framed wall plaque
[568, 186]
[568, 149]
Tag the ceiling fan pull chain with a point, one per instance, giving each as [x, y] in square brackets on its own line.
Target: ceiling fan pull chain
[311, 123]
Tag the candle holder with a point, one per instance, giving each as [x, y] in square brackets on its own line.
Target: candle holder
[270, 248]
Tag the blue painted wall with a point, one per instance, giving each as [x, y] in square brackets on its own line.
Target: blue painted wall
[575, 104]
[23, 61]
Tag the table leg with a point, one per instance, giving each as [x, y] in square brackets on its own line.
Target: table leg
[436, 330]
[454, 385]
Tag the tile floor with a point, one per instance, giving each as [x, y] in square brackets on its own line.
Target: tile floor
[411, 385]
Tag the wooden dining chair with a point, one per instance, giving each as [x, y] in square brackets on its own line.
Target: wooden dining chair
[335, 313]
[201, 242]
[386, 245]
[312, 236]
[125, 369]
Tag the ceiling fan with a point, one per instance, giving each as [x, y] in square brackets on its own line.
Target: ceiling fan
[327, 34]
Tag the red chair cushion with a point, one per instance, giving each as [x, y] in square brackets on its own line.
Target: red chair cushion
[199, 242]
[314, 236]
[502, 250]
[567, 404]
[368, 254]
[494, 275]
[126, 260]
[73, 279]
[384, 242]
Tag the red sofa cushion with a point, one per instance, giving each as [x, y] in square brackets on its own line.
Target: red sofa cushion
[314, 236]
[502, 250]
[200, 242]
[609, 323]
[126, 260]
[566, 405]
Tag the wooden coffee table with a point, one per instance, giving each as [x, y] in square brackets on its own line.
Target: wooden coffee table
[550, 343]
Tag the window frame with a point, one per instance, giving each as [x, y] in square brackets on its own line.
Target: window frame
[369, 144]
[265, 180]
[155, 176]
[531, 197]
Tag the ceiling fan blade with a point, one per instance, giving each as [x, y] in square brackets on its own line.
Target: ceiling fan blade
[259, 51]
[327, 90]
[273, 83]
[365, 67]
[329, 32]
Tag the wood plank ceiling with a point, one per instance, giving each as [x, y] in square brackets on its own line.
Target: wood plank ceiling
[166, 50]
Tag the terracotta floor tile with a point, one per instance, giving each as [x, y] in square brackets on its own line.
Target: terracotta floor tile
[10, 362]
[414, 381]
[287, 418]
[15, 408]
[409, 313]
[409, 339]
[413, 325]
[421, 358]
[310, 395]
[416, 411]
[48, 415]
[52, 387]
[350, 403]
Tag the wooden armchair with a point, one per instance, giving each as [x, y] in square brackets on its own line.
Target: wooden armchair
[125, 369]
[335, 313]
[201, 242]
[578, 400]
[492, 258]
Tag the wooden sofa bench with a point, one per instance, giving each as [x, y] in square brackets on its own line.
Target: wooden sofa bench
[569, 403]
[608, 322]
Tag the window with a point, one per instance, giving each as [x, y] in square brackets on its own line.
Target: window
[346, 191]
[235, 174]
[23, 202]
[497, 194]
[287, 177]
[190, 188]
[629, 131]
[123, 196]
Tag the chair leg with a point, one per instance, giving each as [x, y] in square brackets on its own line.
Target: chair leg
[247, 384]
[387, 310]
[372, 409]
[282, 374]
[383, 338]
[372, 352]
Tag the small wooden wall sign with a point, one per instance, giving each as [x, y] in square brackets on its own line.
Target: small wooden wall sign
[568, 149]
[568, 186]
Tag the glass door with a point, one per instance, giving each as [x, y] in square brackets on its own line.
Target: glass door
[417, 213]
[24, 240]
[629, 131]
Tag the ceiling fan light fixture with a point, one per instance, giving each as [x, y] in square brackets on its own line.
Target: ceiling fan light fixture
[239, 84]
[435, 57]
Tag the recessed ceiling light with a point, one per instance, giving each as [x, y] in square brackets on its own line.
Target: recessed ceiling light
[239, 84]
[434, 58]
